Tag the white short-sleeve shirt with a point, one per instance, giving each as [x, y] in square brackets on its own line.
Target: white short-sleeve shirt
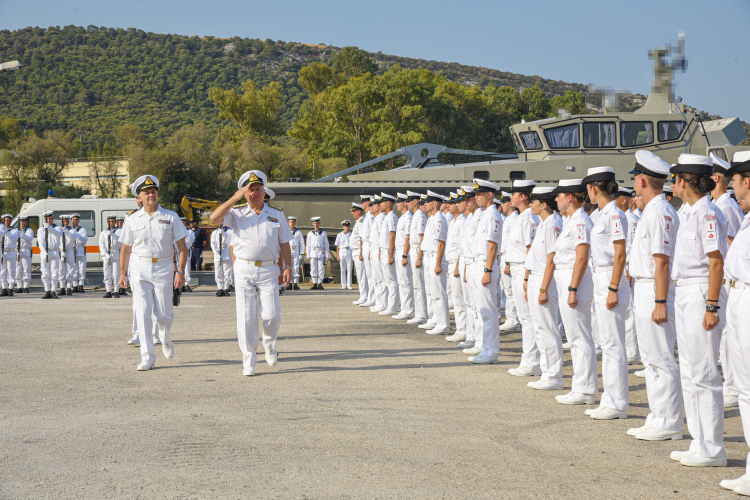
[611, 226]
[703, 229]
[737, 263]
[342, 240]
[576, 231]
[732, 212]
[489, 230]
[389, 224]
[417, 227]
[404, 225]
[152, 236]
[258, 237]
[655, 235]
[520, 235]
[544, 244]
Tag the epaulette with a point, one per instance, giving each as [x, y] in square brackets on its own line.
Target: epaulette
[275, 207]
[361, 219]
[132, 211]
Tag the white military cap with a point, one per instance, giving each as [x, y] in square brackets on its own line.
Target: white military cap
[740, 163]
[269, 193]
[693, 164]
[251, 177]
[364, 197]
[467, 191]
[570, 186]
[291, 217]
[112, 216]
[62, 217]
[377, 199]
[401, 196]
[497, 202]
[452, 197]
[48, 213]
[623, 191]
[542, 193]
[667, 188]
[356, 206]
[23, 217]
[505, 196]
[648, 163]
[483, 186]
[422, 199]
[120, 217]
[522, 186]
[387, 197]
[183, 218]
[599, 174]
[412, 195]
[315, 219]
[7, 215]
[720, 166]
[346, 222]
[144, 181]
[433, 196]
[75, 215]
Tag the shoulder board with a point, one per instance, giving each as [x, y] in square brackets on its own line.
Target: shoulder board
[274, 207]
[132, 211]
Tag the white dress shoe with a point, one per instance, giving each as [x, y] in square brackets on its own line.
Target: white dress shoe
[249, 372]
[483, 359]
[743, 489]
[416, 321]
[592, 410]
[456, 337]
[367, 304]
[156, 340]
[144, 366]
[679, 455]
[402, 315]
[356, 302]
[349, 288]
[545, 385]
[576, 398]
[168, 350]
[438, 331]
[731, 402]
[566, 345]
[466, 344]
[731, 484]
[523, 371]
[473, 351]
[606, 413]
[654, 434]
[377, 309]
[272, 357]
[507, 326]
[635, 430]
[387, 313]
[633, 361]
[696, 460]
[640, 373]
[427, 326]
[135, 341]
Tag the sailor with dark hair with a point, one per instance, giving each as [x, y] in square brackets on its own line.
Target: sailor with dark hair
[68, 268]
[196, 261]
[297, 245]
[23, 266]
[222, 262]
[355, 244]
[344, 254]
[8, 243]
[317, 249]
[82, 237]
[48, 240]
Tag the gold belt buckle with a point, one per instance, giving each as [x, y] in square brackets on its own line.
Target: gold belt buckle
[154, 259]
[675, 282]
[258, 263]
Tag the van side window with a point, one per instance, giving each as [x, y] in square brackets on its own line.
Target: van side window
[87, 219]
[33, 223]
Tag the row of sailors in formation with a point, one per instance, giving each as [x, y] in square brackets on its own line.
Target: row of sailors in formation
[631, 278]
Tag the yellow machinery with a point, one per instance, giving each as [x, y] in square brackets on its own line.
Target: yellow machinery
[188, 204]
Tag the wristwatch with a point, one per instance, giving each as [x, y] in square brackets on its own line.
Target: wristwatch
[712, 308]
[404, 257]
[287, 267]
[487, 270]
[181, 272]
[571, 289]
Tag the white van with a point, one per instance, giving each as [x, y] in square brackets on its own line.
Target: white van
[93, 212]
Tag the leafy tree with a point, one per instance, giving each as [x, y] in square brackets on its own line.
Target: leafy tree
[570, 101]
[10, 129]
[315, 77]
[352, 62]
[535, 103]
[255, 112]
[104, 179]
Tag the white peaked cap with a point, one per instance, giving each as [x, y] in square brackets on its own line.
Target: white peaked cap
[649, 164]
[251, 177]
[720, 165]
[270, 193]
[291, 217]
[142, 182]
[401, 196]
[542, 190]
[569, 182]
[315, 219]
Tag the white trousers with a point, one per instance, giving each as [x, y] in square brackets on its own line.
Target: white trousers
[346, 267]
[486, 307]
[473, 326]
[437, 291]
[656, 344]
[375, 276]
[222, 268]
[23, 272]
[500, 293]
[506, 280]
[152, 284]
[405, 285]
[531, 356]
[730, 388]
[362, 281]
[631, 338]
[420, 296]
[702, 390]
[154, 324]
[257, 289]
[546, 329]
[366, 250]
[317, 269]
[295, 268]
[459, 306]
[187, 268]
[50, 265]
[81, 266]
[577, 321]
[8, 274]
[738, 349]
[112, 275]
[390, 282]
[69, 270]
[611, 324]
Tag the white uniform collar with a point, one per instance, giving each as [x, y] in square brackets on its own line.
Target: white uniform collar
[691, 209]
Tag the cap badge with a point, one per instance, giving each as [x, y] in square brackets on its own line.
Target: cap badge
[149, 182]
[476, 185]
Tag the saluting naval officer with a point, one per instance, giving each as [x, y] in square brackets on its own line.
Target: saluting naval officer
[23, 266]
[260, 245]
[147, 241]
[82, 237]
[297, 245]
[48, 241]
[109, 248]
[317, 251]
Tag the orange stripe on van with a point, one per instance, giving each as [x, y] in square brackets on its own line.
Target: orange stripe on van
[89, 249]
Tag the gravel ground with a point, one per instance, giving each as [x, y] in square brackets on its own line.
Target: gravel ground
[358, 407]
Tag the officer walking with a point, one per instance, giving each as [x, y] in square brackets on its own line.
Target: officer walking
[298, 251]
[147, 241]
[48, 241]
[23, 249]
[81, 237]
[196, 261]
[260, 245]
[317, 251]
[110, 251]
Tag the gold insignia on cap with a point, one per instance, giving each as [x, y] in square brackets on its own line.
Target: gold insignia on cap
[253, 178]
[149, 182]
[476, 185]
[463, 192]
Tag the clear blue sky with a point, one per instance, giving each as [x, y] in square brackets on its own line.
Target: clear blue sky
[583, 41]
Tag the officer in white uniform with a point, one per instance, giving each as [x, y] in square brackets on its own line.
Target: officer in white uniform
[511, 317]
[387, 244]
[23, 249]
[432, 255]
[317, 251]
[403, 259]
[379, 291]
[68, 267]
[120, 220]
[416, 234]
[453, 255]
[700, 305]
[367, 220]
[355, 243]
[541, 289]
[500, 296]
[82, 237]
[611, 292]
[298, 252]
[575, 287]
[344, 254]
[189, 240]
[222, 262]
[622, 199]
[48, 240]
[260, 245]
[733, 213]
[472, 345]
[109, 248]
[520, 236]
[8, 256]
[737, 268]
[482, 273]
[146, 242]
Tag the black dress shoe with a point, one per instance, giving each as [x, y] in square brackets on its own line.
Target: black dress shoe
[187, 288]
[231, 288]
[320, 287]
[4, 293]
[123, 292]
[70, 291]
[47, 295]
[314, 287]
[296, 287]
[115, 295]
[220, 293]
[10, 293]
[108, 295]
[80, 289]
[289, 287]
[62, 291]
[54, 295]
[26, 290]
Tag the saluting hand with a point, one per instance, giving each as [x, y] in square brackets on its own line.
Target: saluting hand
[240, 193]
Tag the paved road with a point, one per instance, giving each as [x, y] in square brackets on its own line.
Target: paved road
[358, 407]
